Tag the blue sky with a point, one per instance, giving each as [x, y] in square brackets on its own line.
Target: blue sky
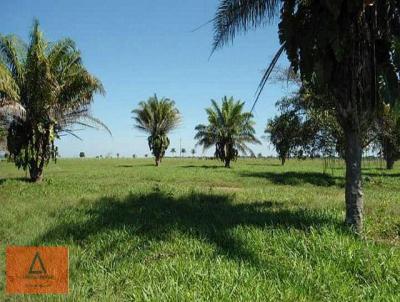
[138, 48]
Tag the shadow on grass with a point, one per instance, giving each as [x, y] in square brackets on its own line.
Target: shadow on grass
[383, 174]
[139, 165]
[207, 217]
[298, 178]
[205, 166]
[371, 168]
[20, 179]
[264, 164]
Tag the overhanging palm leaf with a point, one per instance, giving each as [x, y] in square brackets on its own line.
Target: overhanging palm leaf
[235, 16]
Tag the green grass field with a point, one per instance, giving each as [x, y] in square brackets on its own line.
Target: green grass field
[193, 230]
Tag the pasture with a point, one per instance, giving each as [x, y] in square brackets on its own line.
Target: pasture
[193, 230]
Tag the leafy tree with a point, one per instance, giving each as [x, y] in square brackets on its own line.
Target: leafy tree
[339, 47]
[389, 138]
[193, 151]
[229, 129]
[284, 134]
[53, 88]
[173, 151]
[82, 154]
[157, 117]
[183, 151]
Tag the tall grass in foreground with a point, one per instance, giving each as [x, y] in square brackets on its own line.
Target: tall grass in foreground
[191, 230]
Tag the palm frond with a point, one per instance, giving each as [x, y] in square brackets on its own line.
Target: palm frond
[234, 16]
[266, 76]
[157, 116]
[12, 51]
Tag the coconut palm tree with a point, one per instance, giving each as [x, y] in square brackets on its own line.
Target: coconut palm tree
[229, 129]
[173, 151]
[193, 151]
[157, 117]
[47, 84]
[342, 49]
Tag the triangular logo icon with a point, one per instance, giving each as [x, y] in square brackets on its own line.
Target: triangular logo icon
[37, 266]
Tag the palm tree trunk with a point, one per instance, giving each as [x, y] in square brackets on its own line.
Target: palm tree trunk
[157, 161]
[388, 153]
[354, 195]
[36, 171]
[389, 164]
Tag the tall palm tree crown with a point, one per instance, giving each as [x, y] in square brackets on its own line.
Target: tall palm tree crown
[229, 129]
[48, 84]
[157, 117]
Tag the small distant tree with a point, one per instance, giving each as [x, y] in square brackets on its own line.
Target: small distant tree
[229, 129]
[173, 151]
[157, 117]
[284, 134]
[260, 155]
[82, 154]
[117, 155]
[146, 155]
[134, 156]
[193, 151]
[389, 137]
[183, 151]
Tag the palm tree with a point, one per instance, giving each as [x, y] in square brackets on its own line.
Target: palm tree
[173, 151]
[229, 129]
[157, 118]
[193, 151]
[51, 89]
[343, 51]
[183, 151]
